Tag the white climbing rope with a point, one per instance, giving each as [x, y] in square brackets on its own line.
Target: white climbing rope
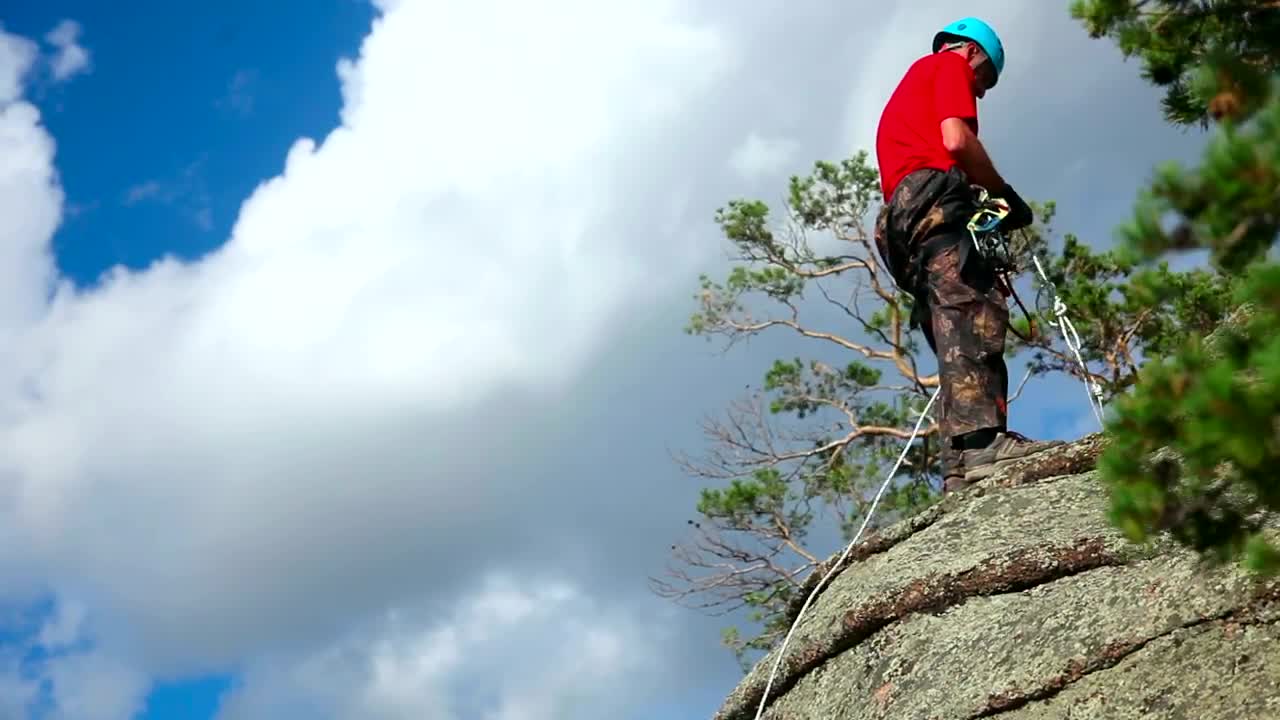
[782, 651]
[1072, 338]
[1092, 389]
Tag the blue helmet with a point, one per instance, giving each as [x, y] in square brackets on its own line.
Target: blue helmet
[972, 28]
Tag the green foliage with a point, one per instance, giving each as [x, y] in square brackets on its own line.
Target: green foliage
[1123, 313]
[1229, 205]
[1215, 405]
[836, 196]
[1212, 57]
[804, 393]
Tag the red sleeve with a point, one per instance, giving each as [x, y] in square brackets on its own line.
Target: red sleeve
[953, 90]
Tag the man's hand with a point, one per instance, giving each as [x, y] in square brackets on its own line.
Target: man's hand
[1020, 214]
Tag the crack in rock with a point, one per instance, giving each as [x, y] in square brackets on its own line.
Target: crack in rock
[1016, 572]
[1043, 527]
[1114, 653]
[878, 542]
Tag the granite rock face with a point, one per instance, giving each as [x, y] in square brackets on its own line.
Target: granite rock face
[1016, 599]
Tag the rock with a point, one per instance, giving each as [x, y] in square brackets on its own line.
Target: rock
[1017, 599]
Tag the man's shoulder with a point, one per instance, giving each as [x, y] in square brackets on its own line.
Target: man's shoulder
[917, 81]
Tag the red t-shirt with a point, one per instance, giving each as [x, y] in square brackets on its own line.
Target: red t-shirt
[936, 87]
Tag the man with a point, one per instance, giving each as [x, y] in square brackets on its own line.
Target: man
[929, 155]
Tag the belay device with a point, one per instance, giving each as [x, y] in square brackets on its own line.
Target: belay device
[992, 243]
[984, 228]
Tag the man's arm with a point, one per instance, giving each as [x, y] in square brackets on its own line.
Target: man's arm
[970, 155]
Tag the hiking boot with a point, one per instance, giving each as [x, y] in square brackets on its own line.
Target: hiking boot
[952, 470]
[1006, 448]
[954, 481]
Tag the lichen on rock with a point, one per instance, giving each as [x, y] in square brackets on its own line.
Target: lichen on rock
[1017, 599]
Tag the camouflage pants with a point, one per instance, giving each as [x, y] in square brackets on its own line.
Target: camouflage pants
[921, 236]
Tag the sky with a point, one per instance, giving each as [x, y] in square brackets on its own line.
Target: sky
[340, 342]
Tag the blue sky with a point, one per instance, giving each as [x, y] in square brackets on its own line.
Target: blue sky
[394, 431]
[188, 108]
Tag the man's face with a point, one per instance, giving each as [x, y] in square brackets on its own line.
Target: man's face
[984, 71]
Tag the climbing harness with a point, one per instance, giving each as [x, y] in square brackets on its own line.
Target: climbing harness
[994, 245]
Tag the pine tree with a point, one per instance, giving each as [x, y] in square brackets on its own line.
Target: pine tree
[1211, 399]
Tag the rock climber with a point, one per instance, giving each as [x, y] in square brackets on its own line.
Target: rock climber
[929, 155]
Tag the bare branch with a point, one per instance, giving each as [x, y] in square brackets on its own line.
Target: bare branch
[723, 572]
[865, 350]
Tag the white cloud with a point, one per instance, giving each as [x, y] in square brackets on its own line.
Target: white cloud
[17, 54]
[30, 199]
[71, 58]
[298, 418]
[759, 157]
[541, 651]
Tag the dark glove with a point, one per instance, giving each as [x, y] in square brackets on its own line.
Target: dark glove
[1020, 214]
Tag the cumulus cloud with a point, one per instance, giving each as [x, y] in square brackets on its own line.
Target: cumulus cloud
[30, 198]
[71, 58]
[541, 650]
[295, 420]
